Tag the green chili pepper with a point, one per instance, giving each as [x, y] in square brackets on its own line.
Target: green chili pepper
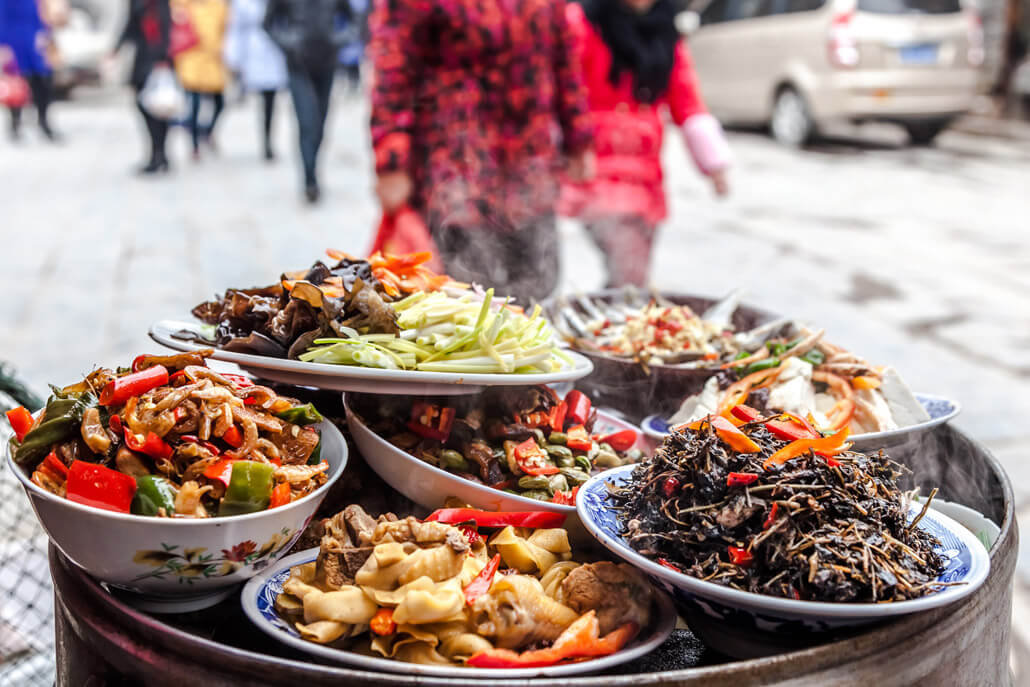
[584, 463]
[453, 460]
[776, 347]
[249, 490]
[742, 355]
[152, 494]
[300, 415]
[316, 456]
[61, 420]
[575, 477]
[814, 356]
[558, 438]
[533, 482]
[761, 365]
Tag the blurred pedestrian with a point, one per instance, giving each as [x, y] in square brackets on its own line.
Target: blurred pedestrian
[200, 68]
[476, 107]
[310, 34]
[636, 68]
[147, 28]
[23, 30]
[258, 63]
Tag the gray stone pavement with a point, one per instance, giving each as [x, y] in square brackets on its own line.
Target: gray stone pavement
[913, 257]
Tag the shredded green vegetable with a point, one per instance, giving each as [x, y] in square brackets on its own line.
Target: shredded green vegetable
[444, 333]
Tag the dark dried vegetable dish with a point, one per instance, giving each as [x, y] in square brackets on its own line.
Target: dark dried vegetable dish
[524, 440]
[171, 437]
[766, 504]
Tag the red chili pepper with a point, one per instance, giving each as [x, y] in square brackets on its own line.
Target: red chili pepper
[565, 498]
[579, 640]
[578, 439]
[382, 622]
[191, 439]
[481, 583]
[739, 556]
[482, 518]
[115, 423]
[772, 516]
[121, 389]
[831, 461]
[622, 440]
[669, 564]
[471, 533]
[21, 421]
[134, 365]
[100, 487]
[280, 495]
[152, 445]
[431, 421]
[56, 464]
[176, 376]
[670, 486]
[532, 460]
[579, 407]
[221, 470]
[238, 381]
[740, 479]
[233, 436]
[557, 416]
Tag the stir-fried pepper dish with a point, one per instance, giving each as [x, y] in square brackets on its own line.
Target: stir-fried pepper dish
[170, 437]
[765, 504]
[525, 440]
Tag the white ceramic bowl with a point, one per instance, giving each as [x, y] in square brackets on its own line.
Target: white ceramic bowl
[430, 486]
[178, 565]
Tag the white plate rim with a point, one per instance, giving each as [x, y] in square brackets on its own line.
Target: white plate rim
[749, 601]
[662, 626]
[161, 332]
[865, 439]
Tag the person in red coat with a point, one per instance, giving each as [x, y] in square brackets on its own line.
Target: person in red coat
[477, 106]
[638, 72]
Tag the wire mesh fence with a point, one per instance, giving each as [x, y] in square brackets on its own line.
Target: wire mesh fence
[26, 593]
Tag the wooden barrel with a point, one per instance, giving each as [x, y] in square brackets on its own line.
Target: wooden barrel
[101, 640]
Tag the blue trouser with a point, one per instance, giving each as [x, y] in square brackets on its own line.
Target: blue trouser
[310, 89]
[198, 130]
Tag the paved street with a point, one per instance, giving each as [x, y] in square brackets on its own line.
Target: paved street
[914, 257]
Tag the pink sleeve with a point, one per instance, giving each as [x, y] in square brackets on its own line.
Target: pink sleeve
[684, 92]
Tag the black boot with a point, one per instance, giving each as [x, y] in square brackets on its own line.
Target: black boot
[312, 193]
[157, 164]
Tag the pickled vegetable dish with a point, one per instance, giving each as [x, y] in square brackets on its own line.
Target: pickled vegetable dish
[524, 440]
[170, 437]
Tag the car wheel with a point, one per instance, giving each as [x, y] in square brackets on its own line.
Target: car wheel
[791, 122]
[924, 133]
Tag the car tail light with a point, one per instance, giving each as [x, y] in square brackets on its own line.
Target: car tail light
[975, 39]
[842, 47]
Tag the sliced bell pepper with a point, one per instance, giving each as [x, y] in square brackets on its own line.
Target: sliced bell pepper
[824, 445]
[280, 495]
[578, 439]
[431, 421]
[238, 381]
[249, 490]
[481, 583]
[115, 423]
[56, 465]
[578, 641]
[622, 440]
[101, 487]
[740, 479]
[471, 533]
[532, 519]
[301, 415]
[220, 470]
[565, 498]
[21, 421]
[233, 436]
[865, 382]
[733, 437]
[151, 445]
[152, 494]
[739, 556]
[579, 407]
[121, 389]
[382, 622]
[557, 416]
[532, 460]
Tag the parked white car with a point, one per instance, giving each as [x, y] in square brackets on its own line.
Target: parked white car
[799, 64]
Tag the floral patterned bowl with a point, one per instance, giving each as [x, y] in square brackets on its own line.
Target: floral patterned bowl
[178, 565]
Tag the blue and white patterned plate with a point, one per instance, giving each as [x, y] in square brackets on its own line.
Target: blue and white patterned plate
[258, 599]
[939, 408]
[967, 568]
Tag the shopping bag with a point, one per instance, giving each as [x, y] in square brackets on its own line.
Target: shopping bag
[182, 35]
[14, 91]
[161, 95]
[403, 232]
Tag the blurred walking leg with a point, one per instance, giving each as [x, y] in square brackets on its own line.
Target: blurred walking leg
[218, 105]
[194, 123]
[15, 123]
[626, 242]
[306, 89]
[268, 101]
[41, 86]
[157, 131]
